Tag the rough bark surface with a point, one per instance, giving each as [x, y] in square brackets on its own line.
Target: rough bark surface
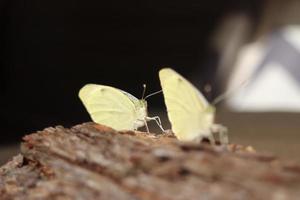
[90, 161]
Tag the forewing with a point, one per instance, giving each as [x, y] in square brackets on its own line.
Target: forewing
[186, 106]
[109, 106]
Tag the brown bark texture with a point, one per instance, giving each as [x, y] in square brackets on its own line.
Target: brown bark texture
[90, 161]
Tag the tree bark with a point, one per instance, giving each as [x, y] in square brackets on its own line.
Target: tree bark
[91, 161]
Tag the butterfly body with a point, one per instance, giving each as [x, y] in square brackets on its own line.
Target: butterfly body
[114, 107]
[191, 116]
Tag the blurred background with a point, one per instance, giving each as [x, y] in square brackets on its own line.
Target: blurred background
[248, 49]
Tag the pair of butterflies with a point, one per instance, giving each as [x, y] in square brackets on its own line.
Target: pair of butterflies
[190, 114]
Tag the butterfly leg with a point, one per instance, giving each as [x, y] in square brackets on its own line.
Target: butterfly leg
[146, 125]
[222, 133]
[140, 123]
[157, 120]
[211, 139]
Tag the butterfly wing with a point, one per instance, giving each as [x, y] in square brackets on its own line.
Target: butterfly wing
[188, 110]
[109, 106]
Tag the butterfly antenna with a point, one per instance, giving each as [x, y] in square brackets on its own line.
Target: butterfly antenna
[154, 93]
[223, 96]
[219, 98]
[144, 90]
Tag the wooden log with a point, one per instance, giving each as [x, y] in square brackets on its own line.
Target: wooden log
[91, 161]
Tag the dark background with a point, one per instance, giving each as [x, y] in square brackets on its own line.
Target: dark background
[50, 49]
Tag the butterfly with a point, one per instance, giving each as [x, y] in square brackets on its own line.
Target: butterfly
[116, 108]
[190, 114]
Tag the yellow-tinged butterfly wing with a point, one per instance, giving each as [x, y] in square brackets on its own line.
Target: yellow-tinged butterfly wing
[188, 110]
[109, 106]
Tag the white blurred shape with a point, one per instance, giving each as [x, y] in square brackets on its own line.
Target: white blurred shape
[247, 62]
[292, 35]
[272, 90]
[272, 70]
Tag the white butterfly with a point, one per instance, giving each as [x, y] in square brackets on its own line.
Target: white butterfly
[116, 108]
[191, 116]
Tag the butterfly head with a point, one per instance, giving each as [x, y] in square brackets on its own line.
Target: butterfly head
[143, 106]
[141, 109]
[210, 109]
[143, 103]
